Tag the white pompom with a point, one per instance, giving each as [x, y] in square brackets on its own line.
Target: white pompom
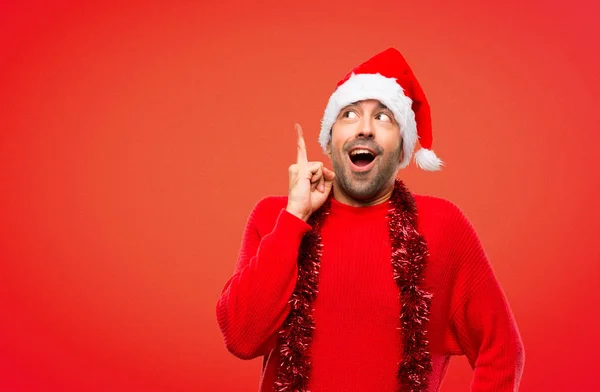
[427, 160]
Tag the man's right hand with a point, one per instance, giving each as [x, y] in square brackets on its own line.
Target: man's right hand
[310, 183]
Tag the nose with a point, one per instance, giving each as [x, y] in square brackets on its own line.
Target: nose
[366, 129]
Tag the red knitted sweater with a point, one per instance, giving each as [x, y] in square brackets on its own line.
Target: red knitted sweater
[356, 343]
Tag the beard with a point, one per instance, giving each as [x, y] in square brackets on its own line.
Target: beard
[366, 185]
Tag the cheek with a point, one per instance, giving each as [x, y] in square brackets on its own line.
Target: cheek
[389, 137]
[339, 134]
[392, 146]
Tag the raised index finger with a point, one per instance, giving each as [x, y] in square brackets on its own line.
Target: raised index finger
[302, 159]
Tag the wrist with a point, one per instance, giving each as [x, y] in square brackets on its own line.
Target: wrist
[297, 214]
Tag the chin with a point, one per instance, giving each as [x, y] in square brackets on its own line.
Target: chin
[361, 189]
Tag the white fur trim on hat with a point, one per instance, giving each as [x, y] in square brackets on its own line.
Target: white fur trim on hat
[373, 86]
[427, 160]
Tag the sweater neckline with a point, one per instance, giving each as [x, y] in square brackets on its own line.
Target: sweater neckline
[345, 210]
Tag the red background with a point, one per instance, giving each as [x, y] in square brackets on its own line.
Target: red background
[135, 140]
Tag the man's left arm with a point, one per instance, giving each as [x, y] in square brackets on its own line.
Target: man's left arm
[488, 335]
[483, 324]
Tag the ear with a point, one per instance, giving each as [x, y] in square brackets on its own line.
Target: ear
[328, 149]
[401, 151]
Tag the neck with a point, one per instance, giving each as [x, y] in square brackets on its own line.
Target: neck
[381, 196]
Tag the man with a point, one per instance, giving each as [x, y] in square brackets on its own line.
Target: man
[352, 283]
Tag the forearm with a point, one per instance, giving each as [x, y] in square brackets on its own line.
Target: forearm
[490, 338]
[254, 302]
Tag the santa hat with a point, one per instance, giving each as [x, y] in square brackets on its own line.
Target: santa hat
[387, 78]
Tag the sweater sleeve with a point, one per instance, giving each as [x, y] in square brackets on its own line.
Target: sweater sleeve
[483, 324]
[254, 301]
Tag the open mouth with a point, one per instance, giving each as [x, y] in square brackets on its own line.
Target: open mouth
[362, 157]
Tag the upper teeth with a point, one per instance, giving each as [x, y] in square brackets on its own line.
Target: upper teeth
[360, 151]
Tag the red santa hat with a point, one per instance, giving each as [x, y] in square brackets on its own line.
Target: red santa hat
[387, 78]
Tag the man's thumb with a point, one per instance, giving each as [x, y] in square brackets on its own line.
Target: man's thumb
[328, 175]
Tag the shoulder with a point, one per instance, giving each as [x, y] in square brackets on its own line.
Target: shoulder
[436, 207]
[435, 214]
[453, 244]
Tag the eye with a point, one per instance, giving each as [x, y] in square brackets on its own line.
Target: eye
[383, 117]
[351, 114]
